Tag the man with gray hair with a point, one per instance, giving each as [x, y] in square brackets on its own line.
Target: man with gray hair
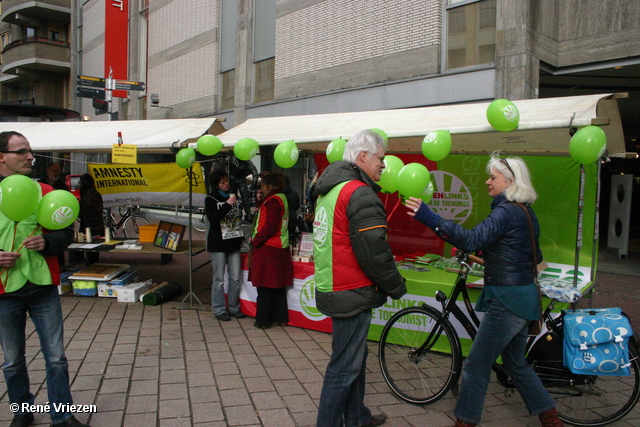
[354, 273]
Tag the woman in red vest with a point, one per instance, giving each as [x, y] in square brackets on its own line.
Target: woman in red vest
[271, 267]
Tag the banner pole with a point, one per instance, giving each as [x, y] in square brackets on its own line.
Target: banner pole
[596, 224]
[579, 229]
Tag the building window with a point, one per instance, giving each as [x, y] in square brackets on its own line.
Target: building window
[5, 39]
[264, 78]
[228, 32]
[228, 89]
[29, 32]
[54, 36]
[264, 50]
[471, 33]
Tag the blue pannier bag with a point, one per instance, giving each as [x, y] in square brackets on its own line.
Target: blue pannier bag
[596, 341]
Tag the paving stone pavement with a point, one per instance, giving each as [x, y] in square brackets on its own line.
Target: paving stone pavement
[176, 365]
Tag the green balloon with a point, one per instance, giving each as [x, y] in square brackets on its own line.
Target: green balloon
[588, 144]
[382, 133]
[286, 154]
[209, 145]
[185, 157]
[427, 193]
[57, 209]
[246, 148]
[335, 149]
[436, 145]
[19, 196]
[412, 180]
[389, 177]
[503, 115]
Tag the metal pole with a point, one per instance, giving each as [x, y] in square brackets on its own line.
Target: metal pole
[191, 294]
[579, 229]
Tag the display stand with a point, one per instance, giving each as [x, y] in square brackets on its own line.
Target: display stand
[191, 295]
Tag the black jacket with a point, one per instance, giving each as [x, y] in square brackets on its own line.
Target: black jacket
[368, 239]
[217, 211]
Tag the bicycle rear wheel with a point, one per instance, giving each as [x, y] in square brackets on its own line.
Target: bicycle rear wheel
[419, 355]
[132, 225]
[591, 400]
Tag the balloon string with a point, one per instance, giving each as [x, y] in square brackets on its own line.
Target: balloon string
[394, 209]
[32, 233]
[386, 199]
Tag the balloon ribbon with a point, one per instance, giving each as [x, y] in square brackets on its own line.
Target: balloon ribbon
[394, 209]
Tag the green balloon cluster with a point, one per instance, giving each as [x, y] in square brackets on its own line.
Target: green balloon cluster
[57, 209]
[286, 154]
[246, 148]
[335, 150]
[209, 145]
[389, 177]
[186, 157]
[19, 196]
[588, 144]
[436, 145]
[503, 115]
[412, 180]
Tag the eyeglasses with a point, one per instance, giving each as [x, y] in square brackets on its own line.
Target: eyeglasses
[378, 157]
[20, 152]
[508, 167]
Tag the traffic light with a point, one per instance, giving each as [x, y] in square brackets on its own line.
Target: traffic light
[101, 106]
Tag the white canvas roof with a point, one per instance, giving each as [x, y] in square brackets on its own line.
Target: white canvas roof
[543, 128]
[100, 136]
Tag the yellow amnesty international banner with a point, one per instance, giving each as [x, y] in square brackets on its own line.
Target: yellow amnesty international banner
[148, 184]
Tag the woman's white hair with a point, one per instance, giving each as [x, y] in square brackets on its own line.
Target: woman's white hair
[366, 141]
[515, 170]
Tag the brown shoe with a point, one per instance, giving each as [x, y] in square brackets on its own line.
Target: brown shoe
[460, 423]
[550, 418]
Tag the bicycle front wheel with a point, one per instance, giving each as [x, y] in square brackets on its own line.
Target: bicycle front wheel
[419, 355]
[132, 226]
[597, 400]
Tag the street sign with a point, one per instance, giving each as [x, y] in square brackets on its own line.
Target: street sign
[85, 92]
[125, 85]
[90, 81]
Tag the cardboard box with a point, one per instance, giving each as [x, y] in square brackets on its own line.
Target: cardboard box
[65, 284]
[125, 278]
[132, 291]
[148, 233]
[108, 290]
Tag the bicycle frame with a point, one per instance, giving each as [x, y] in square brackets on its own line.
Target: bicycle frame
[470, 321]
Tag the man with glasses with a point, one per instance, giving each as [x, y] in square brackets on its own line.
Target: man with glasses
[53, 176]
[29, 275]
[354, 273]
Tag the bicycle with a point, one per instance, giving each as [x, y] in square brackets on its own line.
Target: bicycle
[420, 355]
[130, 221]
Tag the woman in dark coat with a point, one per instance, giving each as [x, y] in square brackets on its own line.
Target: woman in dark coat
[271, 269]
[91, 212]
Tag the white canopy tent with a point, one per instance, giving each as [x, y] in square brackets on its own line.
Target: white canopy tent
[543, 129]
[150, 136]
